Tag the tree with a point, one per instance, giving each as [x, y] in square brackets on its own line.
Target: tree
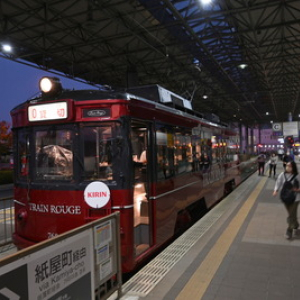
[5, 137]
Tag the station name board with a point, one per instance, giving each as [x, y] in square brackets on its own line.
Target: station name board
[50, 111]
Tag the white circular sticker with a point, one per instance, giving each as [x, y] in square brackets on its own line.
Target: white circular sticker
[96, 194]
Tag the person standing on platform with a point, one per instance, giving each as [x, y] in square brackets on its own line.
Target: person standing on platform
[205, 163]
[261, 160]
[290, 174]
[286, 158]
[272, 164]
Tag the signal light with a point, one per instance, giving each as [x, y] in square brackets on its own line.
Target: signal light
[289, 141]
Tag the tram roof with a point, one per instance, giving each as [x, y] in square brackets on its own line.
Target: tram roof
[155, 94]
[187, 47]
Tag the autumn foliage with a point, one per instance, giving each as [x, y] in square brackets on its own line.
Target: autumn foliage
[5, 137]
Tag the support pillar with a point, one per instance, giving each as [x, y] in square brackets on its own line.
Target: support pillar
[252, 140]
[246, 139]
[241, 137]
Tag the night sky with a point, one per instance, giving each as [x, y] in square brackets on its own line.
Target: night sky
[19, 82]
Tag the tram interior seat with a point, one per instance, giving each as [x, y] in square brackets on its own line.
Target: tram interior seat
[89, 164]
[144, 208]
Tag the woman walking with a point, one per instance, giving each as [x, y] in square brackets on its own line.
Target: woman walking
[290, 174]
[272, 164]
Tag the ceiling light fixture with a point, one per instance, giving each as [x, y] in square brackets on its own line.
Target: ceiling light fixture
[206, 2]
[7, 47]
[243, 66]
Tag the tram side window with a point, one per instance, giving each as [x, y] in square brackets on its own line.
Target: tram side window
[23, 154]
[232, 149]
[207, 149]
[54, 154]
[98, 153]
[217, 145]
[183, 152]
[226, 150]
[196, 145]
[220, 150]
[165, 153]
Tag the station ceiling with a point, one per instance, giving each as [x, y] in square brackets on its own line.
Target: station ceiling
[183, 45]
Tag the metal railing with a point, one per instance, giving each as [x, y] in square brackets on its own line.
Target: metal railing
[7, 213]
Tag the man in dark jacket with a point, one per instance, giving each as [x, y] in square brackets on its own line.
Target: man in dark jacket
[205, 163]
[261, 160]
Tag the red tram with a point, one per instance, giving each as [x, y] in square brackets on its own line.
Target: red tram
[80, 155]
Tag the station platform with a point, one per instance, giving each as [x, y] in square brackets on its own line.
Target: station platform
[236, 251]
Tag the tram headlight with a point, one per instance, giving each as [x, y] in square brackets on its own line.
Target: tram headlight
[50, 86]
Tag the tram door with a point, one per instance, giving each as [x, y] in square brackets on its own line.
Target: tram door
[139, 141]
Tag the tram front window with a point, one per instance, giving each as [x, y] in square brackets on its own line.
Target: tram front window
[98, 152]
[23, 154]
[54, 154]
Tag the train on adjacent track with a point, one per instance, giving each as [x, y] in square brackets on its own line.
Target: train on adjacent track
[81, 155]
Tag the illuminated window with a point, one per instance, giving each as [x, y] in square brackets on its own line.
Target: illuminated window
[54, 154]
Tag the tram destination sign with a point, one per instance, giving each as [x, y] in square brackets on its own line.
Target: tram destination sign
[49, 111]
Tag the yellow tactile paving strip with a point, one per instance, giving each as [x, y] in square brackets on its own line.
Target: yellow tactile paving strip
[202, 277]
[6, 215]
